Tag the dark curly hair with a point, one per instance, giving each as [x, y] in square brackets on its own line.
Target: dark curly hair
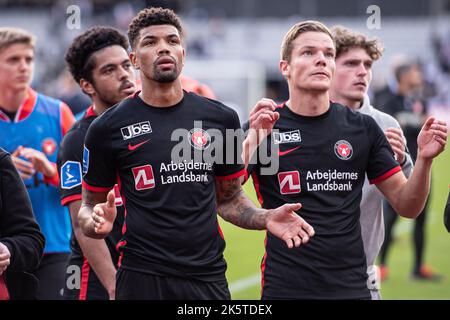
[152, 17]
[79, 55]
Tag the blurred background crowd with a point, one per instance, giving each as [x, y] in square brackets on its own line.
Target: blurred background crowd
[239, 42]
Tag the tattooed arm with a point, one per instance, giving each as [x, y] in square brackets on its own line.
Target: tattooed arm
[97, 213]
[235, 207]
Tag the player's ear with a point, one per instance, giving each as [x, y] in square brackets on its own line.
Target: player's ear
[184, 56]
[87, 87]
[133, 60]
[285, 68]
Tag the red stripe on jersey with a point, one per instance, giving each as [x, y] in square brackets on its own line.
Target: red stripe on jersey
[256, 185]
[281, 105]
[84, 279]
[263, 265]
[67, 200]
[95, 189]
[134, 95]
[386, 175]
[121, 243]
[4, 294]
[90, 112]
[220, 230]
[245, 177]
[119, 185]
[67, 118]
[232, 176]
[28, 106]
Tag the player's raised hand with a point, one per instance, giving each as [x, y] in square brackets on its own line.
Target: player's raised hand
[397, 142]
[284, 223]
[263, 116]
[104, 215]
[432, 138]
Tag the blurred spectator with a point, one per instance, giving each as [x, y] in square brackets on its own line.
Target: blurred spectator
[21, 241]
[31, 128]
[405, 101]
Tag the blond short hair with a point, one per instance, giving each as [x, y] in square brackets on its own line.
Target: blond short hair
[347, 39]
[10, 36]
[298, 29]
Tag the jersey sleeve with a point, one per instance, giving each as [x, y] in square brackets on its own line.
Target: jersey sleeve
[99, 171]
[67, 118]
[381, 164]
[70, 162]
[232, 166]
[252, 165]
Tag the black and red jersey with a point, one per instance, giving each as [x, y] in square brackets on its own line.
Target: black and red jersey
[70, 162]
[323, 161]
[171, 225]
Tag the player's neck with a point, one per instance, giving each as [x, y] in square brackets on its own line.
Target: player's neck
[11, 100]
[352, 104]
[161, 94]
[98, 106]
[309, 103]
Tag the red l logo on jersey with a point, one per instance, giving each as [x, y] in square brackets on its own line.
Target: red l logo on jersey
[143, 177]
[118, 200]
[289, 182]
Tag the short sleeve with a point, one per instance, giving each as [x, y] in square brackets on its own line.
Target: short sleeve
[253, 162]
[70, 163]
[99, 169]
[67, 118]
[381, 164]
[232, 166]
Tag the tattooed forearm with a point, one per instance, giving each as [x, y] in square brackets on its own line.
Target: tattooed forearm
[235, 207]
[227, 189]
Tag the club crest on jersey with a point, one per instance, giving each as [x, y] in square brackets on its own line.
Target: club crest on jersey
[287, 137]
[343, 150]
[136, 130]
[199, 138]
[85, 160]
[289, 182]
[48, 146]
[70, 174]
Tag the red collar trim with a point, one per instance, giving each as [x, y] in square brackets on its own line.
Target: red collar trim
[27, 107]
[90, 112]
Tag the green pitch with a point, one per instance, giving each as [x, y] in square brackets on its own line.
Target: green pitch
[245, 250]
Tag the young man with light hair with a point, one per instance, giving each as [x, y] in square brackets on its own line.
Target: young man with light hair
[31, 128]
[355, 55]
[325, 152]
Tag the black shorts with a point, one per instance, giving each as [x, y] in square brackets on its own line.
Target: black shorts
[50, 274]
[81, 282]
[132, 285]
